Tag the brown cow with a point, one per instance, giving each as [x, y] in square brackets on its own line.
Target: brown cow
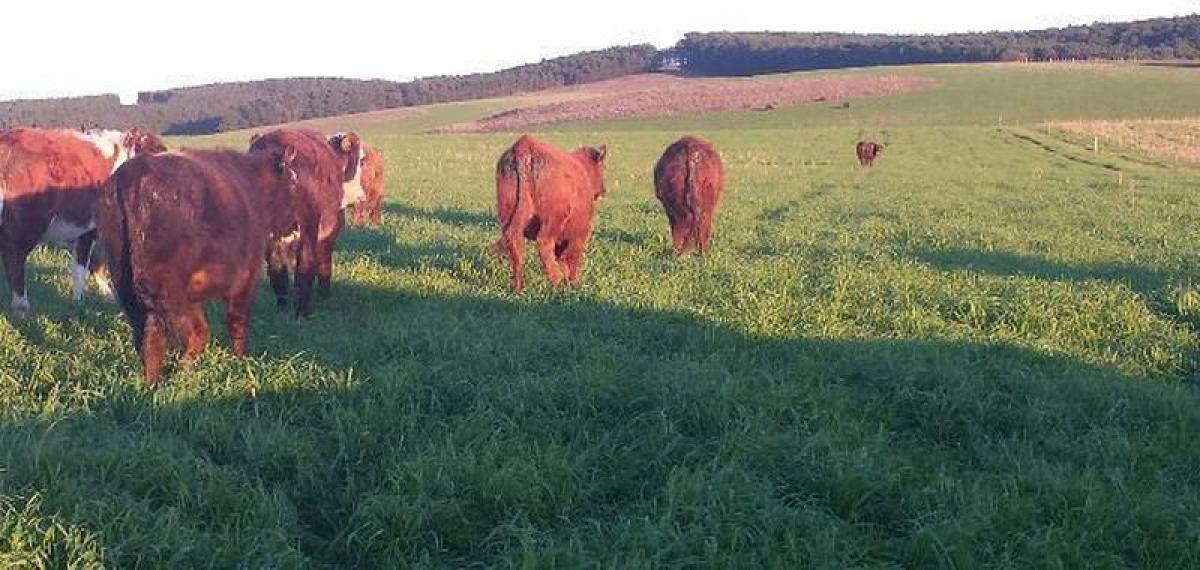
[184, 228]
[372, 183]
[365, 192]
[140, 141]
[49, 183]
[867, 152]
[689, 180]
[547, 196]
[323, 170]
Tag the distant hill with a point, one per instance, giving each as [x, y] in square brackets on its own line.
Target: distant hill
[228, 106]
[726, 53]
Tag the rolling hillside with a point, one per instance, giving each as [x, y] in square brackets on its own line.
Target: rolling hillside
[982, 352]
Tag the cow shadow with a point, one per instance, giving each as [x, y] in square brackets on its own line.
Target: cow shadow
[457, 217]
[410, 425]
[383, 248]
[1004, 263]
[1150, 284]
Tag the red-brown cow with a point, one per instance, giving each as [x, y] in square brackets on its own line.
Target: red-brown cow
[365, 192]
[689, 181]
[867, 152]
[370, 207]
[323, 170]
[184, 228]
[548, 196]
[49, 183]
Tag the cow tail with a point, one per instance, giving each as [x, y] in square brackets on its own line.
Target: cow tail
[522, 167]
[120, 265]
[691, 193]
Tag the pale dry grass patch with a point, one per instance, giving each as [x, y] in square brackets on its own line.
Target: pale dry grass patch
[1178, 139]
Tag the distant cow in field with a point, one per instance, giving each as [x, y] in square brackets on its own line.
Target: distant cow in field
[689, 181]
[372, 182]
[324, 172]
[548, 196]
[183, 228]
[49, 184]
[867, 152]
[364, 194]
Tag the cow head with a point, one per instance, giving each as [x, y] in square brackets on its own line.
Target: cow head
[595, 157]
[138, 141]
[285, 165]
[350, 148]
[109, 143]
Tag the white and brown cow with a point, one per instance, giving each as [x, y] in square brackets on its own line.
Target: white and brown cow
[352, 188]
[49, 183]
[364, 192]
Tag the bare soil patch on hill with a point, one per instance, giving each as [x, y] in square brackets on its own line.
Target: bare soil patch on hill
[658, 95]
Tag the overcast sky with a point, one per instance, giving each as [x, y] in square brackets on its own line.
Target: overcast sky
[57, 48]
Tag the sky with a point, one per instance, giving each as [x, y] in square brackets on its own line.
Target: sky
[56, 48]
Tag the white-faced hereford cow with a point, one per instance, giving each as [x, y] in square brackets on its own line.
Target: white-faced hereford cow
[324, 171]
[49, 184]
[365, 192]
[183, 228]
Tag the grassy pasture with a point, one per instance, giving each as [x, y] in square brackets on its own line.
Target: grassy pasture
[981, 352]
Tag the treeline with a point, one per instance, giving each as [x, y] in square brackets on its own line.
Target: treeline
[770, 52]
[229, 106]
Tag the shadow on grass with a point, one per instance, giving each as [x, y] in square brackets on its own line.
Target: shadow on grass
[445, 215]
[1059, 153]
[1148, 283]
[490, 431]
[1003, 263]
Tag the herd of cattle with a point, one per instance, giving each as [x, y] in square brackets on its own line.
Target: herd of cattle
[167, 231]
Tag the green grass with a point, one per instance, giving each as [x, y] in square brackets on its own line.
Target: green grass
[981, 352]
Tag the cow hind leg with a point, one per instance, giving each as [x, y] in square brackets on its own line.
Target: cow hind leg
[681, 231]
[702, 233]
[14, 255]
[194, 333]
[545, 247]
[237, 314]
[375, 213]
[572, 259]
[549, 230]
[306, 272]
[324, 267]
[277, 273]
[153, 348]
[81, 255]
[516, 257]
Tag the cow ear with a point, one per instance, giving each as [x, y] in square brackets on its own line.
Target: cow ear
[289, 154]
[601, 153]
[346, 143]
